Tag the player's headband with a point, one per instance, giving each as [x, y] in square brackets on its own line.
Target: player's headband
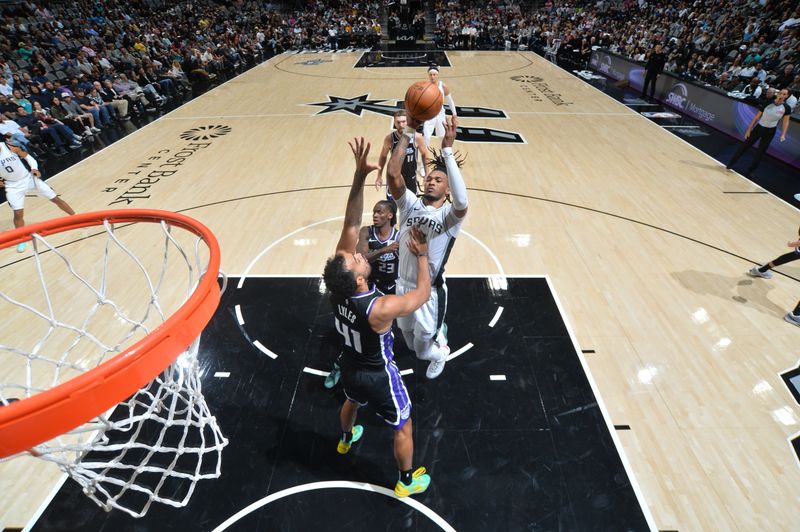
[433, 68]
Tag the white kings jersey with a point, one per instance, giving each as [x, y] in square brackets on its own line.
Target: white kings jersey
[11, 167]
[441, 226]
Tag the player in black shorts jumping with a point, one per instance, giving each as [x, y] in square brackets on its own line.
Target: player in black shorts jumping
[364, 316]
[378, 244]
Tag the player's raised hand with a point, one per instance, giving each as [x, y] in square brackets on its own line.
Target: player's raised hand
[360, 148]
[450, 126]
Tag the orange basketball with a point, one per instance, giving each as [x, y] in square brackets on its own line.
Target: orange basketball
[423, 100]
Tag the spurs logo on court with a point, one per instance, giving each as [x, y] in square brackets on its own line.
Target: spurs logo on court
[205, 132]
[359, 104]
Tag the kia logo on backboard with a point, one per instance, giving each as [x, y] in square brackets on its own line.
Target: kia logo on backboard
[678, 96]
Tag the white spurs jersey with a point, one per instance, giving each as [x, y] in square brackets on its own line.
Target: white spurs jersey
[441, 226]
[11, 167]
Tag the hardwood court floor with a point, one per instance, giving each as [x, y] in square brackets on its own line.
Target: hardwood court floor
[645, 251]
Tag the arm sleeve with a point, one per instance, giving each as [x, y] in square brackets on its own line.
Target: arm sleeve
[458, 190]
[32, 162]
[451, 104]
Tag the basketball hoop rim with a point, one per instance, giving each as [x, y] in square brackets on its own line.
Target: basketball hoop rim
[48, 414]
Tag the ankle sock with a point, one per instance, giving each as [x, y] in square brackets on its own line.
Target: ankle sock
[405, 477]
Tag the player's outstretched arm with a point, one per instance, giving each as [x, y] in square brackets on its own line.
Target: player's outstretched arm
[394, 176]
[363, 241]
[449, 97]
[458, 189]
[394, 170]
[355, 201]
[385, 149]
[387, 308]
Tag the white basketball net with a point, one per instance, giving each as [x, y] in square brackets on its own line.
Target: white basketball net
[155, 446]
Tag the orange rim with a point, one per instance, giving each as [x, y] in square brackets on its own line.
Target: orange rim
[48, 414]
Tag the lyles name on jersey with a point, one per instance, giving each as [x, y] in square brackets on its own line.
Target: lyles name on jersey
[346, 313]
[423, 222]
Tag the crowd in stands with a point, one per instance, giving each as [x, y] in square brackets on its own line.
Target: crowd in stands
[70, 69]
[744, 47]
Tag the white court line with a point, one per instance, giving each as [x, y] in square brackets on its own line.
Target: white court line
[501, 276]
[496, 316]
[497, 377]
[265, 350]
[276, 242]
[682, 127]
[45, 503]
[606, 416]
[249, 267]
[461, 351]
[321, 373]
[239, 317]
[487, 250]
[222, 374]
[333, 484]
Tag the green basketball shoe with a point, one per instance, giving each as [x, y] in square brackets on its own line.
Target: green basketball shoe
[344, 447]
[419, 483]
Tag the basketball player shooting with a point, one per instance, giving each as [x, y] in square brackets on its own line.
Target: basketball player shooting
[438, 122]
[17, 180]
[364, 316]
[424, 331]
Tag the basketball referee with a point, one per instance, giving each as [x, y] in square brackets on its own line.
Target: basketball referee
[766, 124]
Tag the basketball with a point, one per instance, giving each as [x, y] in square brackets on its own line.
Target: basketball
[423, 100]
